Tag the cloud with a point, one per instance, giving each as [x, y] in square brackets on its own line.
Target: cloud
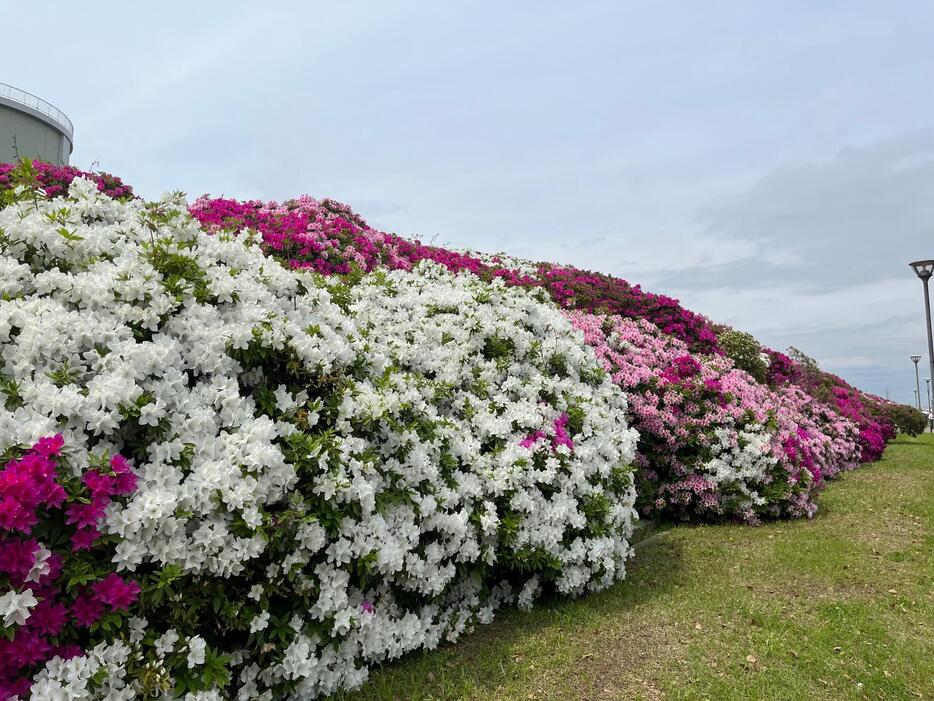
[844, 231]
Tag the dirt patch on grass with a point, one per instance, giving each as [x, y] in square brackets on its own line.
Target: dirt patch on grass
[890, 532]
[628, 662]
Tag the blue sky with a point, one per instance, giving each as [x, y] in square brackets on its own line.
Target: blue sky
[770, 164]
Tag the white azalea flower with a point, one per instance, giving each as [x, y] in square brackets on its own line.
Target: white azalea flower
[196, 650]
[260, 622]
[15, 606]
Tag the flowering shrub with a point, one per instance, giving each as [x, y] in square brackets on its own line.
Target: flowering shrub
[327, 475]
[329, 238]
[906, 419]
[782, 370]
[605, 294]
[745, 352]
[868, 412]
[324, 236]
[713, 442]
[53, 180]
[55, 570]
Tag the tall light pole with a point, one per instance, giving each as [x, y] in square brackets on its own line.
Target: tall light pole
[924, 269]
[915, 359]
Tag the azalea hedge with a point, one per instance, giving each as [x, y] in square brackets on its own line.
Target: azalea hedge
[324, 475]
[329, 238]
[250, 450]
[713, 442]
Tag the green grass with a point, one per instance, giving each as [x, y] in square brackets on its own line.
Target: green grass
[840, 607]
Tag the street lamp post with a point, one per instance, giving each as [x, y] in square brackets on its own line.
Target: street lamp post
[924, 269]
[915, 359]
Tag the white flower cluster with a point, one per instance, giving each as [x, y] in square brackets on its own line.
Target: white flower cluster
[101, 674]
[376, 468]
[504, 260]
[741, 462]
[491, 365]
[98, 674]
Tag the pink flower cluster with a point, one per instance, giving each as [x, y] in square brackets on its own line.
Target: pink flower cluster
[28, 483]
[874, 426]
[597, 293]
[560, 437]
[782, 370]
[54, 180]
[102, 487]
[679, 399]
[325, 235]
[870, 413]
[38, 557]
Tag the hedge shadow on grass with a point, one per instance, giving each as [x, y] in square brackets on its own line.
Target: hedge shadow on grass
[490, 658]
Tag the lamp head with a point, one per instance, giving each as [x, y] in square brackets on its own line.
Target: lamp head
[915, 359]
[924, 269]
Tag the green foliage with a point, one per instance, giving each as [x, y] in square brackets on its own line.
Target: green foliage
[181, 274]
[576, 416]
[745, 352]
[596, 507]
[906, 418]
[592, 376]
[803, 359]
[25, 175]
[558, 364]
[9, 394]
[499, 348]
[64, 375]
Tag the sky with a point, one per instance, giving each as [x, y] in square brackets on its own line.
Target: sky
[769, 164]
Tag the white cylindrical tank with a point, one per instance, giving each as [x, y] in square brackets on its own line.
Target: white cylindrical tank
[30, 127]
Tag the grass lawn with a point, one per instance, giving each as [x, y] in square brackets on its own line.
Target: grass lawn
[841, 607]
